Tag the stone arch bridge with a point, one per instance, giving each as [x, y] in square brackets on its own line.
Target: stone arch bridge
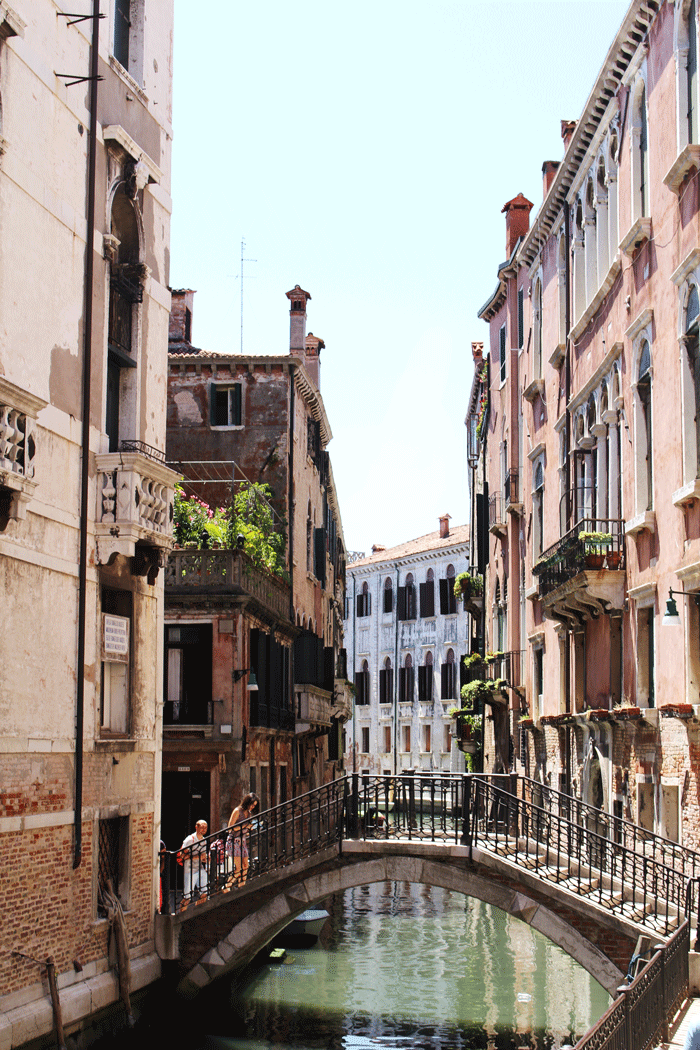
[596, 889]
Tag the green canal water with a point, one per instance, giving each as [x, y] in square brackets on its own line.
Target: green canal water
[402, 965]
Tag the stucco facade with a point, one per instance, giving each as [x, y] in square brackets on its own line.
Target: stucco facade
[405, 636]
[85, 496]
[591, 428]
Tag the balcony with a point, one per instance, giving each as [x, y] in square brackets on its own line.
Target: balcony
[513, 497]
[580, 578]
[18, 412]
[342, 699]
[314, 708]
[205, 574]
[134, 504]
[505, 666]
[497, 517]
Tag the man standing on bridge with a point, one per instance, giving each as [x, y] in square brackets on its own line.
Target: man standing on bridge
[194, 863]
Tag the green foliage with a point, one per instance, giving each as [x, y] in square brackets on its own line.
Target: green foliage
[480, 691]
[251, 517]
[593, 540]
[468, 586]
[473, 660]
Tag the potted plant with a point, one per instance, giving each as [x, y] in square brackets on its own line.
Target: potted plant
[468, 729]
[595, 545]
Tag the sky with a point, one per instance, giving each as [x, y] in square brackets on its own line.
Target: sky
[365, 152]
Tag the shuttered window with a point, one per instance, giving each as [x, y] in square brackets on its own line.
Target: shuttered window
[427, 599]
[425, 683]
[225, 405]
[448, 602]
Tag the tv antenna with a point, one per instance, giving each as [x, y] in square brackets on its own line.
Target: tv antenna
[243, 260]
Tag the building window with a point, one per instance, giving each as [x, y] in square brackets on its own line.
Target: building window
[406, 682]
[644, 431]
[538, 680]
[537, 330]
[125, 295]
[112, 861]
[386, 683]
[406, 602]
[448, 600]
[425, 680]
[388, 595]
[128, 36]
[362, 685]
[387, 740]
[365, 740]
[226, 405]
[687, 72]
[502, 352]
[117, 612]
[427, 743]
[521, 317]
[448, 677]
[639, 147]
[364, 601]
[406, 739]
[427, 595]
[538, 510]
[692, 381]
[188, 674]
[645, 657]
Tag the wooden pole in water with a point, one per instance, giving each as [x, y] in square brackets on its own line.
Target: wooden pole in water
[55, 1002]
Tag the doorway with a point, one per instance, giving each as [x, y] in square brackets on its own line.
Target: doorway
[186, 799]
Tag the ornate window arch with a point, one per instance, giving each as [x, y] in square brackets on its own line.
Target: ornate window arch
[690, 379]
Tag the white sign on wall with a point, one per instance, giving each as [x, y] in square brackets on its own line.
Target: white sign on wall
[115, 638]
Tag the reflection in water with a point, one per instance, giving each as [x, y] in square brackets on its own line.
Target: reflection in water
[407, 965]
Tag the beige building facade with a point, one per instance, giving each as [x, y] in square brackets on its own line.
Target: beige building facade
[85, 495]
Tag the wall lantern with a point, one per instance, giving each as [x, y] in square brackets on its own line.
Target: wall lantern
[252, 686]
[671, 617]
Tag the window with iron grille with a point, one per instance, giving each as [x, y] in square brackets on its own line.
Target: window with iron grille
[111, 860]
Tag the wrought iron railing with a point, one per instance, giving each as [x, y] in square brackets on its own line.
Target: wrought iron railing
[146, 450]
[590, 864]
[618, 830]
[496, 511]
[571, 555]
[512, 488]
[224, 572]
[270, 840]
[507, 666]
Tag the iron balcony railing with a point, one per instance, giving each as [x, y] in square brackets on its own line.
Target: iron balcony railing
[210, 572]
[508, 666]
[573, 554]
[496, 512]
[512, 488]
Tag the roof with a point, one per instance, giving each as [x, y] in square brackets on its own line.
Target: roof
[423, 544]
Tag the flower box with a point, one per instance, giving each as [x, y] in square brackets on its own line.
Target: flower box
[600, 714]
[627, 714]
[676, 711]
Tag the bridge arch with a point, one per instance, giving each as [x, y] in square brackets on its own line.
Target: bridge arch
[269, 913]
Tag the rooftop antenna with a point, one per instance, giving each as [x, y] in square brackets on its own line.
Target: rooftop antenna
[243, 260]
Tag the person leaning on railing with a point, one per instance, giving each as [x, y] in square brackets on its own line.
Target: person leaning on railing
[193, 857]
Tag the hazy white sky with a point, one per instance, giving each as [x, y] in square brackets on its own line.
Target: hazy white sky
[365, 152]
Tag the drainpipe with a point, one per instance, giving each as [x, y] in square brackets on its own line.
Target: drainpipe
[567, 441]
[290, 534]
[85, 443]
[354, 650]
[395, 683]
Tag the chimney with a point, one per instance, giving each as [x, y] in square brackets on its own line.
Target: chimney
[377, 548]
[312, 357]
[549, 170]
[444, 526]
[517, 221]
[297, 319]
[568, 127]
[477, 355]
[180, 326]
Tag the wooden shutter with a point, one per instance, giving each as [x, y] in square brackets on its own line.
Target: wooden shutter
[422, 680]
[401, 604]
[218, 405]
[402, 685]
[382, 687]
[389, 594]
[444, 602]
[320, 555]
[427, 599]
[235, 405]
[445, 682]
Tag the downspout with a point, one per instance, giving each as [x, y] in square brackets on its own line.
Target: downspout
[85, 443]
[354, 671]
[290, 543]
[567, 476]
[395, 677]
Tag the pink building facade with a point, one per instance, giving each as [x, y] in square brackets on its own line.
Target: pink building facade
[590, 436]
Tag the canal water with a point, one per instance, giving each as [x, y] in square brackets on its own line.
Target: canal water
[402, 965]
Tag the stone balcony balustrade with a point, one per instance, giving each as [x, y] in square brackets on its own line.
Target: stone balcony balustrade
[135, 491]
[193, 573]
[18, 412]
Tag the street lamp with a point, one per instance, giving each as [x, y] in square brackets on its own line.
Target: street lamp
[671, 617]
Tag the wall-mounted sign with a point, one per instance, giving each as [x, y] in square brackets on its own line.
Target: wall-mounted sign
[115, 638]
[183, 769]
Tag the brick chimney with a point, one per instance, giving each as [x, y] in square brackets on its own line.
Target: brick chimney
[312, 357]
[297, 319]
[477, 355]
[444, 526]
[517, 221]
[568, 127]
[549, 170]
[180, 326]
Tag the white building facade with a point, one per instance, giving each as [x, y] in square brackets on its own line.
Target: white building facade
[405, 636]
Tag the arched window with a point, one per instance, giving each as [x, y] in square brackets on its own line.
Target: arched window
[406, 687]
[448, 677]
[125, 295]
[310, 543]
[364, 601]
[427, 595]
[639, 146]
[406, 601]
[691, 72]
[362, 685]
[644, 431]
[388, 595]
[448, 601]
[690, 339]
[538, 510]
[425, 680]
[386, 683]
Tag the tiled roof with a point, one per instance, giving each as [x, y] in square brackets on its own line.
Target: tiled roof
[431, 542]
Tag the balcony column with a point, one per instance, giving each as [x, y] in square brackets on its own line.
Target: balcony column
[600, 483]
[613, 236]
[591, 256]
[601, 202]
[579, 275]
[610, 419]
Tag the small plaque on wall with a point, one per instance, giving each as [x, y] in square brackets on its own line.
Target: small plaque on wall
[115, 638]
